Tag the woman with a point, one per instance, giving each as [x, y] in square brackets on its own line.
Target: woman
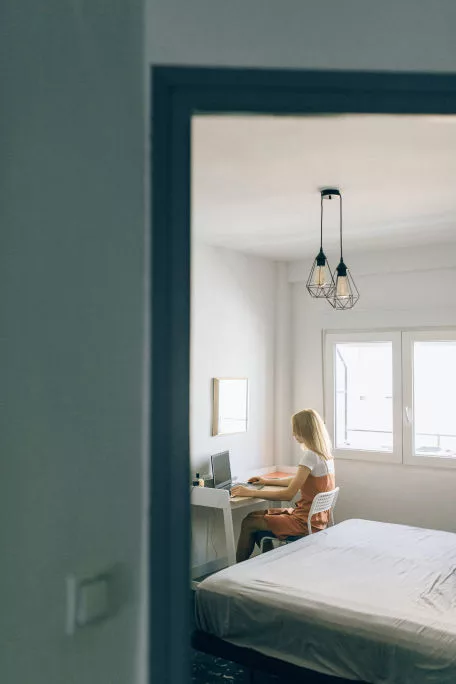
[315, 474]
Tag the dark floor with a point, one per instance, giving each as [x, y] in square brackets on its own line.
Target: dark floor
[207, 669]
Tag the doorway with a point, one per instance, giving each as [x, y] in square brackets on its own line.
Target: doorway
[178, 94]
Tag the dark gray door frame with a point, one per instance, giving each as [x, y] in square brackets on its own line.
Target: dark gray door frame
[177, 94]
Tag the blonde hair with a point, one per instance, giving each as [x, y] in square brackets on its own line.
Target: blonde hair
[310, 430]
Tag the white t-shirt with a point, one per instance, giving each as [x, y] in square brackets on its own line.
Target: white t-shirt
[318, 466]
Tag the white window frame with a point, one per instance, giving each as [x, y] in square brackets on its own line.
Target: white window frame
[330, 340]
[408, 339]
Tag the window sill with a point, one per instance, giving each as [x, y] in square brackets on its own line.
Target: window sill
[368, 456]
[430, 462]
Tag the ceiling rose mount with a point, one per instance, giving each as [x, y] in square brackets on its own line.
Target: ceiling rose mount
[329, 193]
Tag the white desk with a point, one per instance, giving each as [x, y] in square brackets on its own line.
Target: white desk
[220, 498]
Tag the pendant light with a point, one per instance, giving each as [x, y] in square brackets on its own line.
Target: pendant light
[320, 282]
[345, 294]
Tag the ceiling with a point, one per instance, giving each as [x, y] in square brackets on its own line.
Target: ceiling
[256, 182]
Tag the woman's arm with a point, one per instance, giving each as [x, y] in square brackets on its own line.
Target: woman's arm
[281, 494]
[276, 481]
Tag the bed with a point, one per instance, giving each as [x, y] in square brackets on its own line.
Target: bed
[361, 601]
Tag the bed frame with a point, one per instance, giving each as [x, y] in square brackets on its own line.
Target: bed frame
[256, 662]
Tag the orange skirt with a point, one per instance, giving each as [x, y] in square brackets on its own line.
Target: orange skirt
[283, 522]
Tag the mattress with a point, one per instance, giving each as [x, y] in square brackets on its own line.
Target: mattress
[362, 600]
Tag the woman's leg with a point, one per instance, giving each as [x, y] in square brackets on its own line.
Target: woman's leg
[253, 522]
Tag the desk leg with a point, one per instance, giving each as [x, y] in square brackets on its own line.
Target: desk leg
[229, 536]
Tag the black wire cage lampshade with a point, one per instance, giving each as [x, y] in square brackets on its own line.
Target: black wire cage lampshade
[345, 293]
[320, 283]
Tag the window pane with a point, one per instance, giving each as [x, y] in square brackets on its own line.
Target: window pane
[364, 396]
[434, 378]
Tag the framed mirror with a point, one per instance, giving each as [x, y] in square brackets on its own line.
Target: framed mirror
[230, 406]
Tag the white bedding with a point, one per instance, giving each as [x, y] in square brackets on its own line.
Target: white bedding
[363, 600]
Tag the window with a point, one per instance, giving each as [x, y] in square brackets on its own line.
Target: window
[389, 396]
[429, 396]
[362, 388]
[363, 396]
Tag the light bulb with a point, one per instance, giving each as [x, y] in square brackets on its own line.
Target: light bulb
[342, 290]
[320, 276]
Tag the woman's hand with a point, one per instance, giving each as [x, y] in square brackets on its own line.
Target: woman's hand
[241, 491]
[256, 480]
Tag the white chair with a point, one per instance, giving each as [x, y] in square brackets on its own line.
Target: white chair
[324, 501]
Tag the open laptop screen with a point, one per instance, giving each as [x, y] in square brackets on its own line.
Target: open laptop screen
[221, 470]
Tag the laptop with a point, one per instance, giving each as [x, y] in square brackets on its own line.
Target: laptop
[221, 472]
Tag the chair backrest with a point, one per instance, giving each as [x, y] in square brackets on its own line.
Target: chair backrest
[325, 501]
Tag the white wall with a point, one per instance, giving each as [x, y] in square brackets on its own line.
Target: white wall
[233, 335]
[72, 318]
[355, 34]
[407, 288]
[283, 368]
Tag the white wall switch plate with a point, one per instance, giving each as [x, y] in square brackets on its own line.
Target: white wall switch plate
[87, 601]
